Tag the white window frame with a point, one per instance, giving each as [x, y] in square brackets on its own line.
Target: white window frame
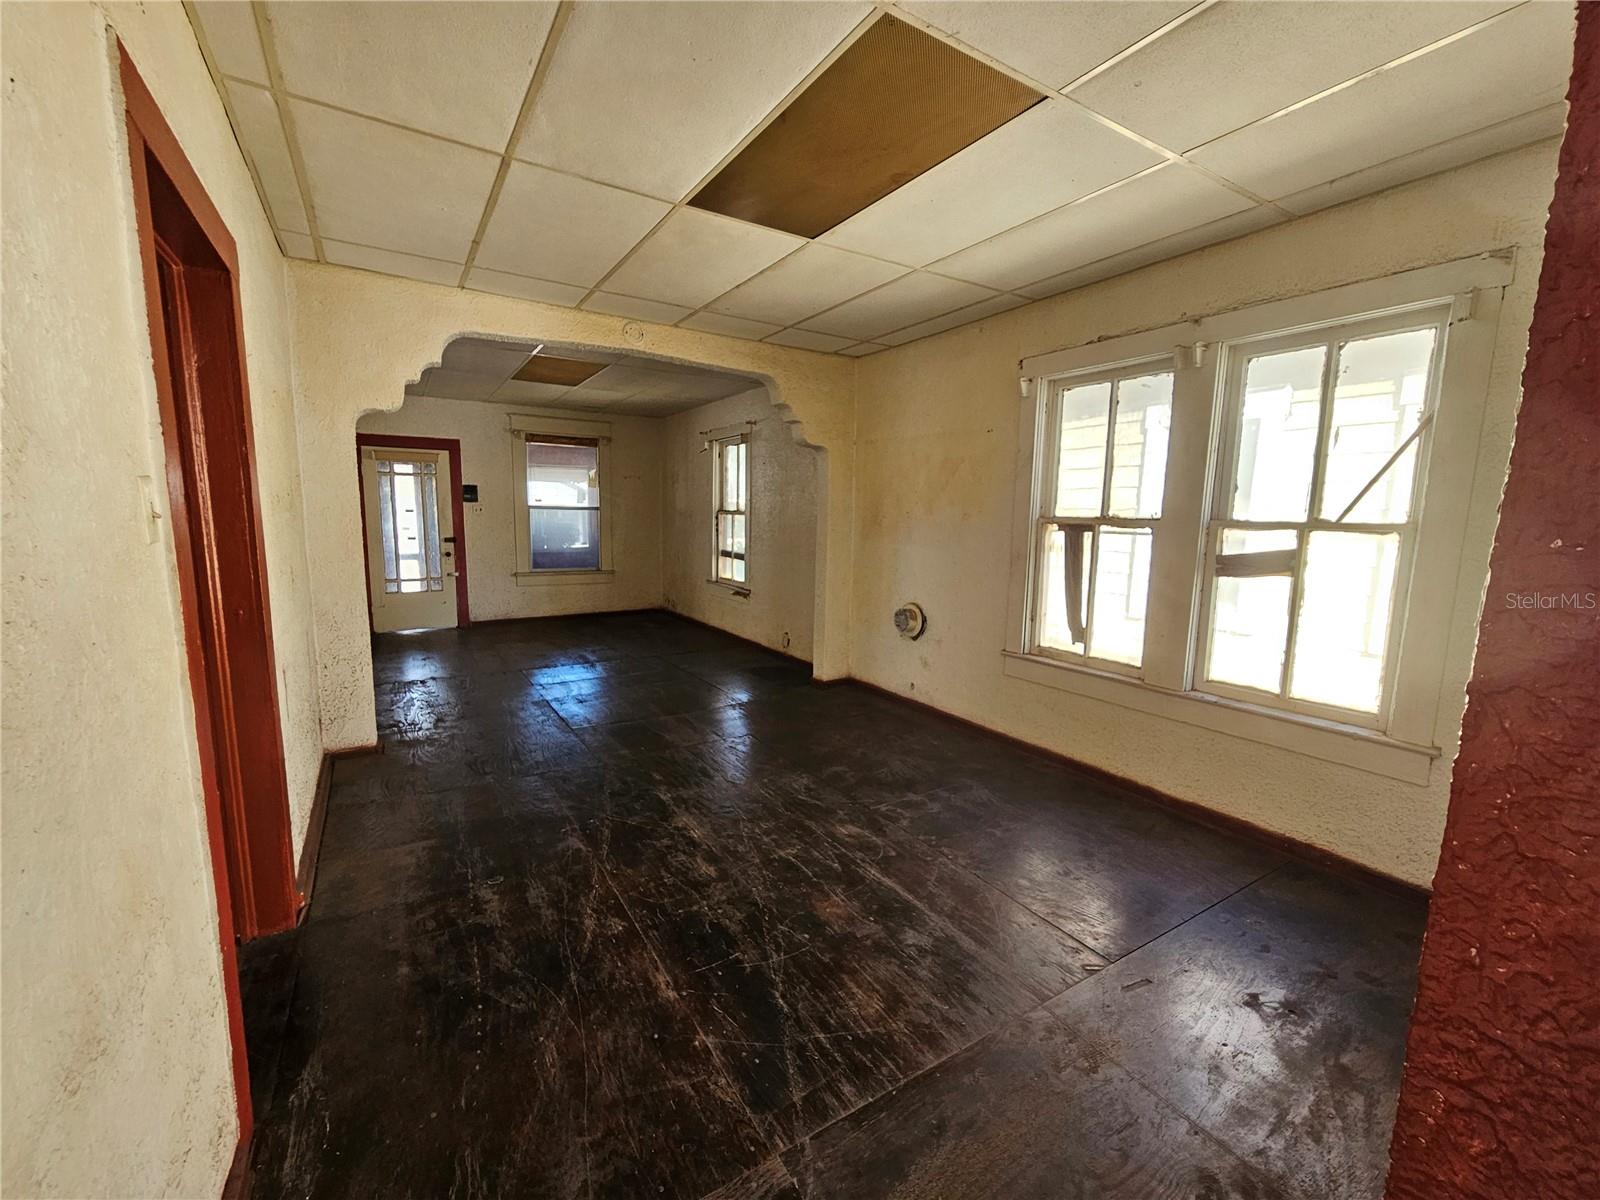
[1045, 520]
[523, 424]
[720, 441]
[1403, 741]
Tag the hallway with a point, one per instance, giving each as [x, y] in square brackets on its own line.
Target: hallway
[629, 907]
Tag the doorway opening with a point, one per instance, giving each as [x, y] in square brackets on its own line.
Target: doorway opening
[413, 531]
[191, 275]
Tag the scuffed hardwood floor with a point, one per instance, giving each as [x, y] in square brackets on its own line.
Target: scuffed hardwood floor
[630, 908]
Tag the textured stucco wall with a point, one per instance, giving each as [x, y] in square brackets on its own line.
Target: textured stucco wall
[783, 514]
[487, 449]
[359, 338]
[117, 1075]
[1502, 1087]
[937, 435]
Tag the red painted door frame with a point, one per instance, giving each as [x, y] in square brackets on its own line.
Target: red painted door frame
[191, 277]
[451, 447]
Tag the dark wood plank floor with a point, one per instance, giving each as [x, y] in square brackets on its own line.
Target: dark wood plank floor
[628, 907]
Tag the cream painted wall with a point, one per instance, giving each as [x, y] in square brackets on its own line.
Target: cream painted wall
[937, 436]
[778, 612]
[117, 1075]
[634, 502]
[359, 338]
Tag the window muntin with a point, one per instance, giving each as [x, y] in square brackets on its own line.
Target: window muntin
[1301, 607]
[731, 523]
[563, 499]
[408, 519]
[1102, 492]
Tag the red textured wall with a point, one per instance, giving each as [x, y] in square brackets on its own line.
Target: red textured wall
[1501, 1099]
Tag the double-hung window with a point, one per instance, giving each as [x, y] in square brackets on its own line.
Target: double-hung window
[1314, 513]
[731, 522]
[1105, 470]
[1258, 518]
[563, 498]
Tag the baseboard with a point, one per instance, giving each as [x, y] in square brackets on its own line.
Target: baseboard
[306, 874]
[1199, 813]
[789, 654]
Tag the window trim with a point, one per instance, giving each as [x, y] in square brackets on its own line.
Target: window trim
[1049, 426]
[720, 440]
[535, 424]
[1415, 724]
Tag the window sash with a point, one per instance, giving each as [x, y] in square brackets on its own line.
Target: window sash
[1236, 356]
[1047, 520]
[730, 511]
[585, 556]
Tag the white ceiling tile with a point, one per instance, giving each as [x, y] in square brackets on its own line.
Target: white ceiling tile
[261, 134]
[695, 256]
[502, 283]
[624, 379]
[1208, 234]
[1048, 156]
[962, 316]
[1052, 42]
[811, 279]
[391, 262]
[698, 387]
[1515, 66]
[1155, 205]
[807, 339]
[297, 245]
[653, 96]
[381, 186]
[457, 70]
[554, 226]
[485, 356]
[445, 384]
[1239, 61]
[710, 322]
[520, 391]
[230, 33]
[907, 300]
[1542, 123]
[633, 306]
[862, 349]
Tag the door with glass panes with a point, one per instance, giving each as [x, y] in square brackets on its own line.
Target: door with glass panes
[410, 538]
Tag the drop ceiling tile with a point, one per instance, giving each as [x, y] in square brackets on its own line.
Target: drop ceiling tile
[1249, 60]
[625, 379]
[1208, 234]
[485, 356]
[230, 33]
[909, 299]
[806, 339]
[1542, 123]
[457, 70]
[673, 87]
[811, 279]
[700, 387]
[962, 316]
[261, 134]
[444, 384]
[502, 283]
[1053, 42]
[554, 226]
[1513, 67]
[710, 322]
[1155, 205]
[392, 262]
[633, 306]
[519, 391]
[1048, 156]
[381, 186]
[695, 256]
[862, 349]
[297, 245]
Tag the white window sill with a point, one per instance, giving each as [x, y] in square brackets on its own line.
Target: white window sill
[738, 591]
[1349, 745]
[562, 576]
